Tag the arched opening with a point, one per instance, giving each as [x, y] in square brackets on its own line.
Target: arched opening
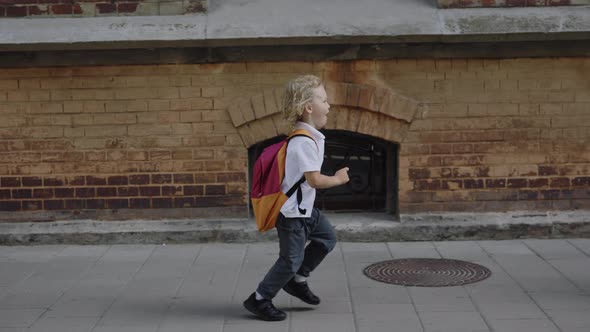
[373, 164]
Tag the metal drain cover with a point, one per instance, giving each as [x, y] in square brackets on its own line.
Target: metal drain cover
[427, 272]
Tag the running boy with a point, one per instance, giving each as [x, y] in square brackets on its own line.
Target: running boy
[305, 106]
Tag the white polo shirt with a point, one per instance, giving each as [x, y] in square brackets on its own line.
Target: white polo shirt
[303, 155]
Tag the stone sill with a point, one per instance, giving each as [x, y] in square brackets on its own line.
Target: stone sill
[508, 3]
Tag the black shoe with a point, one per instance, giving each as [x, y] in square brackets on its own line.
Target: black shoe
[264, 309]
[301, 291]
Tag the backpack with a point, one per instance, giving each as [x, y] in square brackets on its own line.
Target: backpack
[267, 176]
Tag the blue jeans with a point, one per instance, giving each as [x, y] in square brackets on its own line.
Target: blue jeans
[294, 256]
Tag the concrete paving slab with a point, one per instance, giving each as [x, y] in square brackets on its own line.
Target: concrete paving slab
[554, 249]
[523, 325]
[207, 292]
[19, 317]
[61, 324]
[453, 321]
[581, 244]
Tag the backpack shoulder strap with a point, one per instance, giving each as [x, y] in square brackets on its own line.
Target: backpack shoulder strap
[297, 186]
[302, 132]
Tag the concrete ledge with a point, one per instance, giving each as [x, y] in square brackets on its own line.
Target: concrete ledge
[248, 23]
[362, 227]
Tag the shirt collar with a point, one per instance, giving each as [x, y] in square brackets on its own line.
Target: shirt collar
[314, 132]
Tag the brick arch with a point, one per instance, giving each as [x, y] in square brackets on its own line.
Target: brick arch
[375, 111]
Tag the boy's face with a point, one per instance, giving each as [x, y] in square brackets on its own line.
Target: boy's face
[319, 108]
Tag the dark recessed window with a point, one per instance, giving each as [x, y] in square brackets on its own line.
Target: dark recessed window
[373, 172]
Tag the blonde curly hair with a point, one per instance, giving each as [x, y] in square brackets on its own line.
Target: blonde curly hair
[298, 92]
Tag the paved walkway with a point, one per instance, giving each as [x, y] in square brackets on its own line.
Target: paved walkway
[537, 285]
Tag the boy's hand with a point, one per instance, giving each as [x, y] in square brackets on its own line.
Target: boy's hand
[342, 175]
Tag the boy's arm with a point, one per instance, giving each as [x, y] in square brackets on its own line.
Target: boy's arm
[319, 181]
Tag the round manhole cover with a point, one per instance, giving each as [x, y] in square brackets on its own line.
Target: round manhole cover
[427, 272]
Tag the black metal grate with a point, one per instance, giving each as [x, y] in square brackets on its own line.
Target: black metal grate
[427, 272]
[373, 172]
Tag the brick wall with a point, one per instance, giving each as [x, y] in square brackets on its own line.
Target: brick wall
[508, 3]
[86, 8]
[490, 135]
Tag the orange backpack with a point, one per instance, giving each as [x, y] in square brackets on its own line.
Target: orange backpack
[267, 176]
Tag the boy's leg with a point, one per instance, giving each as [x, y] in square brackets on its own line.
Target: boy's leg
[323, 240]
[292, 239]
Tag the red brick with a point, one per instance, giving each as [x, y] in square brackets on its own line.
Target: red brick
[538, 183]
[149, 191]
[215, 190]
[32, 205]
[22, 193]
[64, 192]
[74, 204]
[35, 10]
[196, 6]
[96, 181]
[106, 8]
[516, 3]
[16, 12]
[427, 185]
[549, 194]
[53, 182]
[193, 190]
[75, 180]
[117, 203]
[77, 9]
[581, 181]
[419, 173]
[10, 205]
[118, 180]
[5, 194]
[139, 179]
[516, 183]
[106, 192]
[446, 172]
[560, 182]
[171, 190]
[57, 1]
[451, 184]
[85, 192]
[547, 170]
[61, 9]
[162, 203]
[205, 178]
[473, 184]
[231, 177]
[183, 178]
[53, 205]
[184, 202]
[128, 191]
[139, 203]
[528, 195]
[2, 12]
[43, 193]
[161, 178]
[95, 204]
[9, 182]
[127, 7]
[212, 201]
[496, 183]
[32, 181]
